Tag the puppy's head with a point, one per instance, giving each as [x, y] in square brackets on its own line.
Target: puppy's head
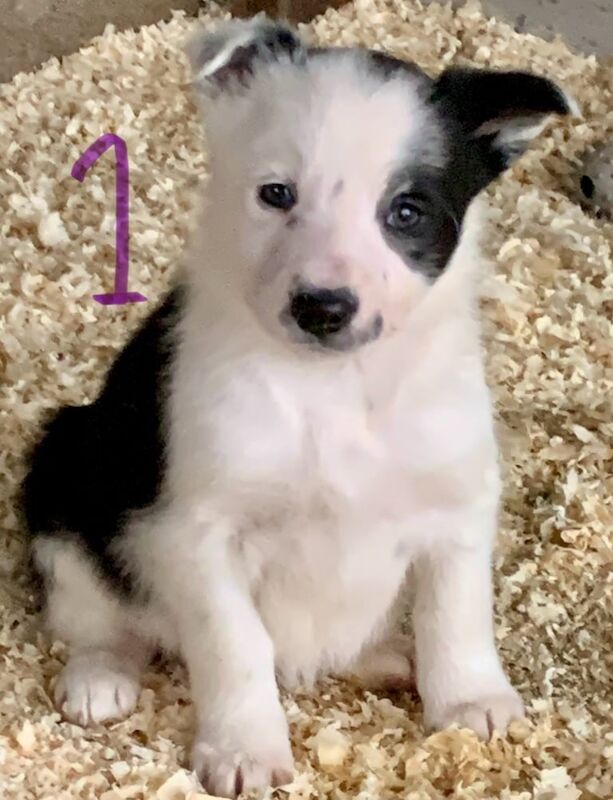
[340, 179]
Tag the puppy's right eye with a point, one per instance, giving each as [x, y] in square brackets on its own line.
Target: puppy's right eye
[278, 195]
[405, 214]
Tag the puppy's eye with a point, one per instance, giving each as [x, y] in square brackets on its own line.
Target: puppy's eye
[404, 214]
[278, 195]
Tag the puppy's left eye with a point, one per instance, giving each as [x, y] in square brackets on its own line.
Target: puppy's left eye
[278, 195]
[404, 214]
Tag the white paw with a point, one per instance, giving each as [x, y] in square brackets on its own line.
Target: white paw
[228, 773]
[483, 715]
[95, 687]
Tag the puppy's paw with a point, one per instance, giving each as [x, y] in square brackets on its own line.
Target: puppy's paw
[388, 666]
[96, 687]
[228, 773]
[483, 715]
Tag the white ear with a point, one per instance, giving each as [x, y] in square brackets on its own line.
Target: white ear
[228, 57]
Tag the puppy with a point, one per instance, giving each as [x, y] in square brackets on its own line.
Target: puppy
[303, 423]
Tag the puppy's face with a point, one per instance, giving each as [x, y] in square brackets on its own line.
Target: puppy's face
[340, 178]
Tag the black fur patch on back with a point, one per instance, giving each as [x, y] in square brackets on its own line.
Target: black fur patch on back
[95, 464]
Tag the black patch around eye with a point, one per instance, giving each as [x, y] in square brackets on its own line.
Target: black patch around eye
[427, 244]
[404, 215]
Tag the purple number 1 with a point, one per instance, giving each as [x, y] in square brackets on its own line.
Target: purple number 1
[121, 295]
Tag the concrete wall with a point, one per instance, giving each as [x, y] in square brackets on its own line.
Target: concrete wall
[585, 24]
[32, 31]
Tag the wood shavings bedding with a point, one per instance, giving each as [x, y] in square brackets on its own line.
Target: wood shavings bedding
[548, 309]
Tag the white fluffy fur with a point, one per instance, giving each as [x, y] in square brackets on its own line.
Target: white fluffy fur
[304, 488]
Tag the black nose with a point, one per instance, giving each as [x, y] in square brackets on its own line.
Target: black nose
[323, 311]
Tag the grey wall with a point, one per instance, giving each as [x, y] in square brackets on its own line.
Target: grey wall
[585, 24]
[31, 31]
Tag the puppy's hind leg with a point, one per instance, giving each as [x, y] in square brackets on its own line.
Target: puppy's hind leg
[101, 680]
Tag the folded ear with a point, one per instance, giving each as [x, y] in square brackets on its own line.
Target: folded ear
[504, 111]
[227, 58]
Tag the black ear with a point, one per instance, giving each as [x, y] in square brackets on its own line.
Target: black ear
[503, 110]
[228, 57]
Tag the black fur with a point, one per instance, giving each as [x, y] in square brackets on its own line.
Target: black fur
[459, 160]
[430, 245]
[470, 98]
[95, 464]
[479, 95]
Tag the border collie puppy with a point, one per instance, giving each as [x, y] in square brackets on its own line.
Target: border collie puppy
[302, 428]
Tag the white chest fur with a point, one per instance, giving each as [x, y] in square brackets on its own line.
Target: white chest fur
[335, 478]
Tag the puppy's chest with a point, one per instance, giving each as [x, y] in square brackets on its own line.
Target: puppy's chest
[321, 453]
[331, 446]
[342, 452]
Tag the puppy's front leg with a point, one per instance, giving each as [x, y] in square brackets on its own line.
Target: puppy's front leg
[459, 675]
[242, 740]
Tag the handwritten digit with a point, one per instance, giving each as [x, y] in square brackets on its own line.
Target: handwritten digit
[121, 295]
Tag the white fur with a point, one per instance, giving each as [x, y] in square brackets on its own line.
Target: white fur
[97, 686]
[302, 489]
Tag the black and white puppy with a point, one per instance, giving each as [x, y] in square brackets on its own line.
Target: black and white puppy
[304, 418]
